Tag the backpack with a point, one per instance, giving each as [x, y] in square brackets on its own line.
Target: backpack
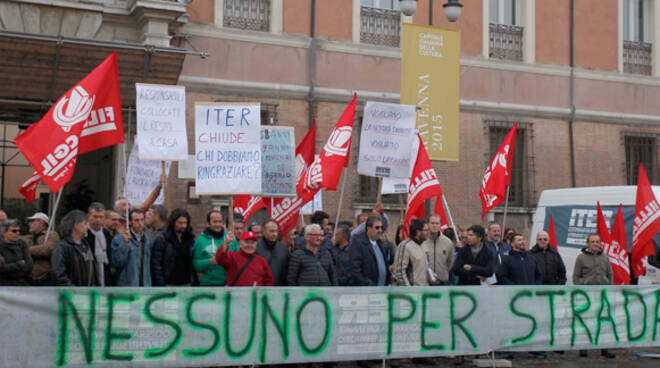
[397, 277]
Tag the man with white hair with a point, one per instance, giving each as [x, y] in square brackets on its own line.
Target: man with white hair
[312, 265]
[40, 251]
[549, 261]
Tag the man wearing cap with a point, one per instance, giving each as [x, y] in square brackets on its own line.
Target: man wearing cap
[245, 267]
[40, 252]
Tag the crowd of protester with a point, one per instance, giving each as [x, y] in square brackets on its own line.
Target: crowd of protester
[153, 248]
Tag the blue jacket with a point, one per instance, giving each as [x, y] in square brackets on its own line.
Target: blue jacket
[501, 249]
[126, 258]
[519, 269]
[483, 265]
[363, 268]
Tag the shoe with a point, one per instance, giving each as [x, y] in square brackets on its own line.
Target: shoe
[583, 353]
[605, 353]
[538, 354]
[423, 361]
[459, 360]
[559, 352]
[363, 363]
[510, 356]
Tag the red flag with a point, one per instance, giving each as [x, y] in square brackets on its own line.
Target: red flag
[29, 188]
[247, 205]
[617, 252]
[325, 171]
[86, 118]
[552, 234]
[285, 211]
[602, 230]
[440, 211]
[646, 224]
[424, 184]
[498, 174]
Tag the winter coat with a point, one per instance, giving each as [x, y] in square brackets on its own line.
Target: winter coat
[550, 264]
[342, 258]
[483, 265]
[206, 246]
[441, 256]
[592, 269]
[415, 254]
[126, 258]
[257, 271]
[73, 264]
[519, 269]
[41, 253]
[171, 259]
[277, 257]
[364, 266]
[309, 269]
[500, 249]
[15, 264]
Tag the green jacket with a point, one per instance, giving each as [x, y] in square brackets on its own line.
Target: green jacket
[205, 248]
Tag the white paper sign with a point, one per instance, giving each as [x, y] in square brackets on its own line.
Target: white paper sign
[387, 130]
[142, 177]
[227, 148]
[161, 122]
[400, 185]
[314, 205]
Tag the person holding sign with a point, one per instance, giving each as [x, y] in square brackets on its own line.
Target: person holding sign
[245, 267]
[205, 248]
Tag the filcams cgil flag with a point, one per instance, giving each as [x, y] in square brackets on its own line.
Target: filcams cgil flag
[646, 224]
[498, 174]
[87, 117]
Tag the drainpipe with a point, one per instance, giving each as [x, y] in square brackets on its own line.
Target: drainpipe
[572, 92]
[312, 64]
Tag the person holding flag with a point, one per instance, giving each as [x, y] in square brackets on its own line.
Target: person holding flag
[549, 261]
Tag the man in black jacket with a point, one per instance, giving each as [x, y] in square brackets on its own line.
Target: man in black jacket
[99, 240]
[171, 256]
[311, 265]
[72, 262]
[274, 252]
[549, 261]
[341, 255]
[476, 261]
[15, 259]
[493, 240]
[368, 260]
[518, 268]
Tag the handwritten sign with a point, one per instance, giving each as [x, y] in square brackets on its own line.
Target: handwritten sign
[227, 148]
[277, 157]
[161, 122]
[385, 140]
[400, 185]
[142, 177]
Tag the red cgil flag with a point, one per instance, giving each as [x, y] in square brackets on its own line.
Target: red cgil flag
[646, 224]
[439, 210]
[285, 211]
[498, 174]
[85, 118]
[325, 171]
[552, 234]
[424, 184]
[247, 205]
[618, 251]
[603, 231]
[29, 188]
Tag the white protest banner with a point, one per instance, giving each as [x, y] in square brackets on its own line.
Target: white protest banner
[142, 177]
[205, 326]
[227, 148]
[314, 205]
[400, 185]
[277, 157]
[385, 140]
[161, 122]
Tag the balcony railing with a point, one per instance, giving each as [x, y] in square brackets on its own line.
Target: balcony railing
[380, 26]
[253, 15]
[637, 57]
[506, 42]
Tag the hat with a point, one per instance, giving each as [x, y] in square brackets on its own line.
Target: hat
[38, 216]
[248, 235]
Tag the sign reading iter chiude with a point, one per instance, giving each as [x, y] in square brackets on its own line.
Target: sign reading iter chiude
[430, 80]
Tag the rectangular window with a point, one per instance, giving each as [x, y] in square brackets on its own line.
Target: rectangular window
[506, 36]
[380, 22]
[252, 15]
[504, 12]
[639, 149]
[637, 57]
[498, 130]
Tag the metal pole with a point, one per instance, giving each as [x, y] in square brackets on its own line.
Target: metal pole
[451, 219]
[341, 196]
[52, 216]
[506, 206]
[430, 12]
[571, 92]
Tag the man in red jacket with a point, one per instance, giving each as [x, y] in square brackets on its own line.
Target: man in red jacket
[244, 267]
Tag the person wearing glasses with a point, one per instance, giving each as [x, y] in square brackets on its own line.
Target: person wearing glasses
[368, 259]
[549, 261]
[15, 259]
[312, 265]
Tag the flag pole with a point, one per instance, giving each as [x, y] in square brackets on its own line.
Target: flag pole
[379, 194]
[230, 213]
[506, 206]
[341, 196]
[451, 219]
[51, 221]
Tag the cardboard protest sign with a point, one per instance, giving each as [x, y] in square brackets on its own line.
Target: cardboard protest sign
[142, 177]
[386, 140]
[400, 185]
[227, 148]
[161, 122]
[277, 161]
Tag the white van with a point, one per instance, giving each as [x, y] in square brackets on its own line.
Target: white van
[575, 215]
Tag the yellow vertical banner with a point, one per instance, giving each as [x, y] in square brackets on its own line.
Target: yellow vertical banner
[430, 69]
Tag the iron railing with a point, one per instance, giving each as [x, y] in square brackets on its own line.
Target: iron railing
[253, 15]
[380, 26]
[637, 57]
[506, 42]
